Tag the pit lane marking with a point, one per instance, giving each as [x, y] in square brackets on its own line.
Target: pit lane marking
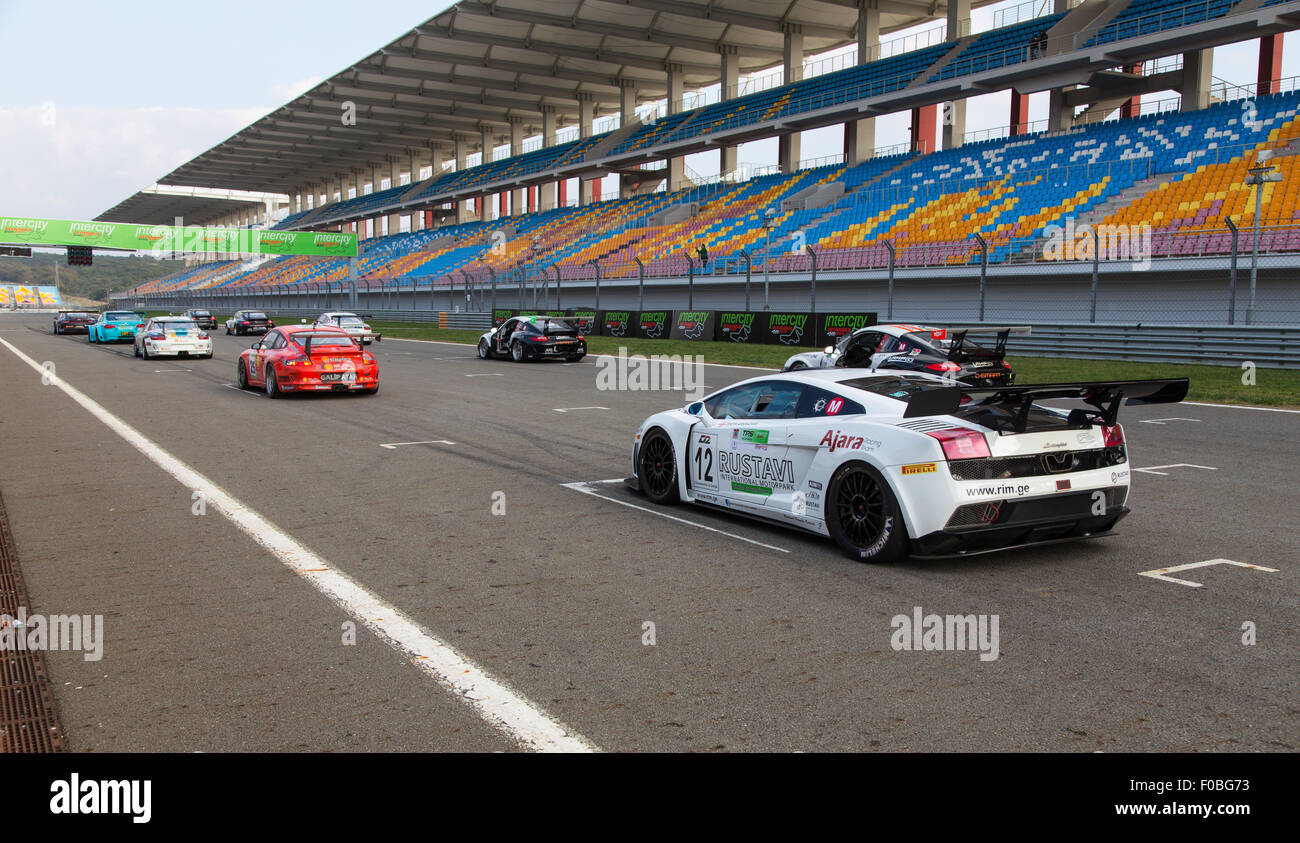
[584, 486]
[1155, 468]
[393, 445]
[493, 701]
[1162, 573]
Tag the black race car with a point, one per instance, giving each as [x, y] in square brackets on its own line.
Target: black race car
[530, 337]
[248, 322]
[946, 352]
[202, 318]
[73, 322]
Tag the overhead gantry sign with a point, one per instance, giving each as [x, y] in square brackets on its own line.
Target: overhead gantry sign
[192, 239]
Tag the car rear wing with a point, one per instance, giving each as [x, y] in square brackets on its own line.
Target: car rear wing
[959, 353]
[310, 335]
[1006, 408]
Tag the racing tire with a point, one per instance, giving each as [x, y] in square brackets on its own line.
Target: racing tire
[56, 330]
[517, 352]
[657, 467]
[484, 350]
[241, 374]
[862, 515]
[797, 365]
[90, 336]
[272, 386]
[135, 352]
[145, 353]
[227, 330]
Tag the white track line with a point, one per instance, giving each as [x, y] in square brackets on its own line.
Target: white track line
[501, 707]
[1241, 407]
[584, 488]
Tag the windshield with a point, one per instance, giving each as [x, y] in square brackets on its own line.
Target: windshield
[200, 313]
[122, 314]
[254, 315]
[75, 315]
[330, 341]
[349, 321]
[177, 324]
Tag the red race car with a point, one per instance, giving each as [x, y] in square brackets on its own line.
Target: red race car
[305, 358]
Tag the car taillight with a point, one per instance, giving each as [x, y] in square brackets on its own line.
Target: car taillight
[111, 325]
[946, 366]
[1112, 436]
[270, 324]
[369, 358]
[297, 360]
[537, 339]
[203, 335]
[961, 443]
[1006, 365]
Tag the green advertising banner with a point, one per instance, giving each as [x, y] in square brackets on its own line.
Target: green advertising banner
[194, 239]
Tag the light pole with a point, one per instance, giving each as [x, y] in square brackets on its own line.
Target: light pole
[769, 219]
[1260, 174]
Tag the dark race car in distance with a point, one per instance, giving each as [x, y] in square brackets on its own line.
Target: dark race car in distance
[531, 337]
[202, 318]
[248, 322]
[945, 352]
[73, 322]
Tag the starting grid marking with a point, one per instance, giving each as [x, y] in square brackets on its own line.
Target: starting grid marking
[572, 409]
[494, 702]
[585, 486]
[1155, 469]
[393, 445]
[1162, 574]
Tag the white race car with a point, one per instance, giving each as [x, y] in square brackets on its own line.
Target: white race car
[172, 336]
[890, 464]
[351, 323]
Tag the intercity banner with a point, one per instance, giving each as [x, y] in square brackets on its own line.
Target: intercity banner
[584, 320]
[788, 328]
[832, 327]
[654, 324]
[693, 325]
[29, 231]
[617, 323]
[737, 326]
[500, 316]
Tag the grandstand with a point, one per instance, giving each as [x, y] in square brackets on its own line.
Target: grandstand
[1182, 171]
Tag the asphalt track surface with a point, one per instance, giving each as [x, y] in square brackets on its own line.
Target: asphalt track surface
[211, 644]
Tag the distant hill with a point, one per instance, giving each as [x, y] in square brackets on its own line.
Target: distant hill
[109, 274]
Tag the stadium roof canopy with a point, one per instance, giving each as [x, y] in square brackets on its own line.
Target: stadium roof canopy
[480, 64]
[163, 205]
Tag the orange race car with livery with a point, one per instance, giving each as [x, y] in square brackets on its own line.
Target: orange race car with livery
[305, 358]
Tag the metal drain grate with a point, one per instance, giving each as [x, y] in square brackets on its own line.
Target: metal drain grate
[29, 721]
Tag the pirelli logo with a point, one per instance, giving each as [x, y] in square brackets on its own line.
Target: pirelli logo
[919, 468]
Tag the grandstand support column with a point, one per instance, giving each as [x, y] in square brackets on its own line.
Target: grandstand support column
[1198, 66]
[676, 78]
[860, 135]
[1060, 115]
[954, 113]
[1019, 112]
[461, 144]
[436, 151]
[1270, 63]
[923, 128]
[586, 113]
[729, 155]
[516, 148]
[547, 193]
[790, 147]
[394, 180]
[627, 94]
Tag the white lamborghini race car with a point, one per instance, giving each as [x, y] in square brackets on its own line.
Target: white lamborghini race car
[890, 464]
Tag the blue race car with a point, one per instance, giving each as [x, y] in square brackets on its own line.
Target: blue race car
[115, 326]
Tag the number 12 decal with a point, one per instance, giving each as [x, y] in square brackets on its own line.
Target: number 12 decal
[704, 464]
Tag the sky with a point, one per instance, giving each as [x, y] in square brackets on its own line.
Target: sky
[100, 100]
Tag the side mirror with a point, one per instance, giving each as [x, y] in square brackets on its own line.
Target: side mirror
[696, 408]
[257, 345]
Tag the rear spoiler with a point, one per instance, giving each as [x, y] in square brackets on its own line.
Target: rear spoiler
[310, 334]
[1014, 402]
[958, 353]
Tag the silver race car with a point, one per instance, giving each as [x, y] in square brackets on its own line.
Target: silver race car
[947, 352]
[891, 464]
